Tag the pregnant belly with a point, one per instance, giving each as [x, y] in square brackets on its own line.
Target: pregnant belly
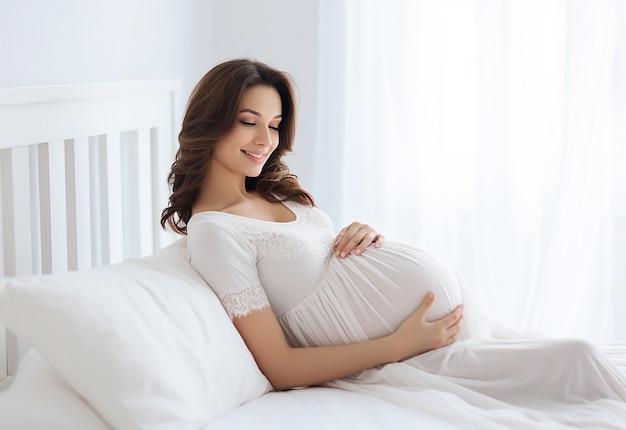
[368, 296]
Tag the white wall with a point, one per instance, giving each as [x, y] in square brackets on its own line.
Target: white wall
[44, 42]
[73, 41]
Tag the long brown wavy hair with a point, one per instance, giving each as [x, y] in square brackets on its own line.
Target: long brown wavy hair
[211, 113]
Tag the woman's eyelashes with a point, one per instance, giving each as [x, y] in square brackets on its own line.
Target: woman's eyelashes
[252, 124]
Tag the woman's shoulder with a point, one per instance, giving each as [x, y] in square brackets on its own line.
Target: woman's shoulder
[209, 222]
[208, 217]
[216, 232]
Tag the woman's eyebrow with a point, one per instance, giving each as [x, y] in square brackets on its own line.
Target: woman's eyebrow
[253, 112]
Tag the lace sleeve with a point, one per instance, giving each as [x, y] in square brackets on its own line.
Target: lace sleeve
[243, 302]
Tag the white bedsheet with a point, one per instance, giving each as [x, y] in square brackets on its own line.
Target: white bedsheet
[40, 399]
[324, 408]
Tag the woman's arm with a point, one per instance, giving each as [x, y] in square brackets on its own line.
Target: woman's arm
[287, 367]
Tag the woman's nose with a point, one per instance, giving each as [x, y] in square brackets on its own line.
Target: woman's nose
[264, 138]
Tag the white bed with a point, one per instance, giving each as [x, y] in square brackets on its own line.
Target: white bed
[114, 329]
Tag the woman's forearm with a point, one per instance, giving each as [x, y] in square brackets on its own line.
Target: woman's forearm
[295, 367]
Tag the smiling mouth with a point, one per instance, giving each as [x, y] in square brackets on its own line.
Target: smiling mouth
[251, 154]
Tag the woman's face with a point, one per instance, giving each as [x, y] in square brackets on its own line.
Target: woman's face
[246, 148]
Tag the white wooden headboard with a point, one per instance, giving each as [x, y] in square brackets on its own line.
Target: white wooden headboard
[82, 178]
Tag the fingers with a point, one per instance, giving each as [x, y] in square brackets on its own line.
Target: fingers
[349, 238]
[379, 240]
[451, 332]
[454, 333]
[455, 329]
[449, 327]
[356, 238]
[420, 335]
[425, 305]
[452, 318]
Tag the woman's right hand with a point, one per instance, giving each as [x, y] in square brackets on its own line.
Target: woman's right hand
[416, 335]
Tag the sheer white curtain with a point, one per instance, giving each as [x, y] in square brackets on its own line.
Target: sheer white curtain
[492, 133]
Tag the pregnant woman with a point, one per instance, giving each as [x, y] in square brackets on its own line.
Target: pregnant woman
[351, 310]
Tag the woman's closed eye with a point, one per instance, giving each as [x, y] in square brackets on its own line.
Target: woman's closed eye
[252, 124]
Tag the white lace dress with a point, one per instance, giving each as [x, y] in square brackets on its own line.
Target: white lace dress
[492, 378]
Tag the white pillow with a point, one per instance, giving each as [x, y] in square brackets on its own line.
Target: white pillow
[145, 342]
[40, 399]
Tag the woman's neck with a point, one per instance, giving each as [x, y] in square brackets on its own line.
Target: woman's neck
[221, 191]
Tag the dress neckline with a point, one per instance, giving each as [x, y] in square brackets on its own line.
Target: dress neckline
[286, 204]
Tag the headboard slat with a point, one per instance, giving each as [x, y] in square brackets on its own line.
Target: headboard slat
[70, 205]
[45, 230]
[6, 216]
[58, 207]
[112, 215]
[35, 221]
[130, 193]
[144, 217]
[83, 199]
[17, 214]
[97, 182]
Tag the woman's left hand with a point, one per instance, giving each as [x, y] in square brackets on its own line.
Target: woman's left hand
[355, 238]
